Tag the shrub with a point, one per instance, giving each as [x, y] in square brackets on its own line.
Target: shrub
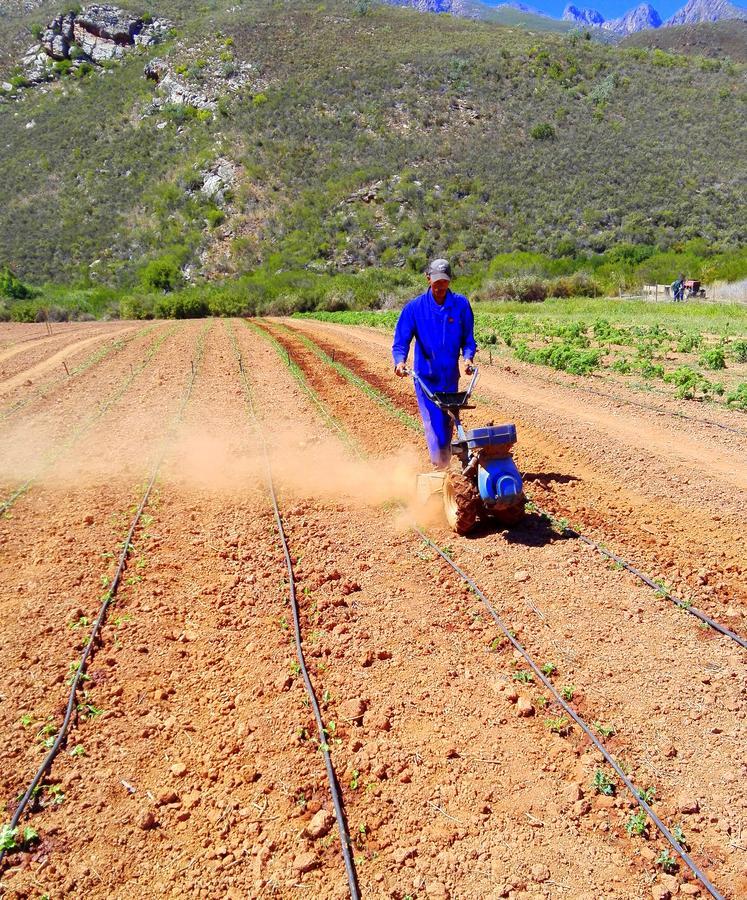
[740, 350]
[738, 397]
[184, 305]
[215, 216]
[13, 287]
[713, 359]
[543, 132]
[162, 274]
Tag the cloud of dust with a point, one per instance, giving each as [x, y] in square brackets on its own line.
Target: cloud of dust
[306, 464]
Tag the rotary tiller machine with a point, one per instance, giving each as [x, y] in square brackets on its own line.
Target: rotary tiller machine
[482, 481]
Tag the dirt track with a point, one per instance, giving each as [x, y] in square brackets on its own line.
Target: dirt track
[448, 792]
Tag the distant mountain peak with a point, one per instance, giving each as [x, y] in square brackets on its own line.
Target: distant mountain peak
[522, 7]
[642, 17]
[695, 11]
[582, 15]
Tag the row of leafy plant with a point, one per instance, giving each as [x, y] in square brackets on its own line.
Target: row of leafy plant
[649, 351]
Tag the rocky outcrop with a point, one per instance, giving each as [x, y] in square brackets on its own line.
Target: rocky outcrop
[695, 11]
[217, 180]
[94, 36]
[202, 79]
[582, 15]
[638, 19]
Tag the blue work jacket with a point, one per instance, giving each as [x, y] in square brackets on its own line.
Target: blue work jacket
[441, 333]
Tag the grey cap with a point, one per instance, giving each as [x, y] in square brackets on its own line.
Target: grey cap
[439, 270]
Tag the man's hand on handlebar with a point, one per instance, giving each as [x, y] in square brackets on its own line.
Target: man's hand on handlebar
[469, 367]
[401, 370]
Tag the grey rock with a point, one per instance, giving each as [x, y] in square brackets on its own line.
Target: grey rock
[111, 23]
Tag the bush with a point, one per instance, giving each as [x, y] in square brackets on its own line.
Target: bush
[13, 287]
[740, 350]
[543, 132]
[713, 359]
[162, 274]
[184, 305]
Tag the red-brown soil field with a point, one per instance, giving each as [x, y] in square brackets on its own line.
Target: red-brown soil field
[193, 768]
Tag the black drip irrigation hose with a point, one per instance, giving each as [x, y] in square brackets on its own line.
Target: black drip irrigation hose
[681, 852]
[109, 597]
[682, 604]
[322, 736]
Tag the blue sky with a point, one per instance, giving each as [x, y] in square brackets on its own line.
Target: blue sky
[610, 9]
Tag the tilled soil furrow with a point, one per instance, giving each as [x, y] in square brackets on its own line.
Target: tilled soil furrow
[75, 367]
[33, 446]
[27, 375]
[705, 554]
[629, 651]
[52, 592]
[28, 351]
[201, 777]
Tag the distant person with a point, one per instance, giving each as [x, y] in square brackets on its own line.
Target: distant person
[678, 288]
[442, 324]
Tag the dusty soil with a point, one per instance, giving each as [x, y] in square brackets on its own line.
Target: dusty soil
[199, 773]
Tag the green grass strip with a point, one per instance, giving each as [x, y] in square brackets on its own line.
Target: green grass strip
[409, 421]
[113, 398]
[298, 374]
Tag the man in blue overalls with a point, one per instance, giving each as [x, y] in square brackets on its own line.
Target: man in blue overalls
[442, 324]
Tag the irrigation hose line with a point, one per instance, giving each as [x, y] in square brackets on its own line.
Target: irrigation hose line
[331, 775]
[108, 598]
[686, 858]
[693, 610]
[681, 852]
[572, 532]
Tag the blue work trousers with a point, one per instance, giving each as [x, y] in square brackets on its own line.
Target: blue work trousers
[439, 426]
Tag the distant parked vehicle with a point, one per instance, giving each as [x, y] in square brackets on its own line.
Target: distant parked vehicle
[693, 289]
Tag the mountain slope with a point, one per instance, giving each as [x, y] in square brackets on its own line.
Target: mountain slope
[718, 40]
[380, 138]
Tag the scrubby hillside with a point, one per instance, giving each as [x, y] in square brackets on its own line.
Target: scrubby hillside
[719, 40]
[349, 136]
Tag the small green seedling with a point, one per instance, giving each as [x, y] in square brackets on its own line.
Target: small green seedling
[523, 676]
[603, 784]
[355, 780]
[667, 862]
[26, 720]
[648, 795]
[605, 730]
[637, 824]
[567, 691]
[559, 725]
[679, 835]
[78, 750]
[56, 794]
[548, 669]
